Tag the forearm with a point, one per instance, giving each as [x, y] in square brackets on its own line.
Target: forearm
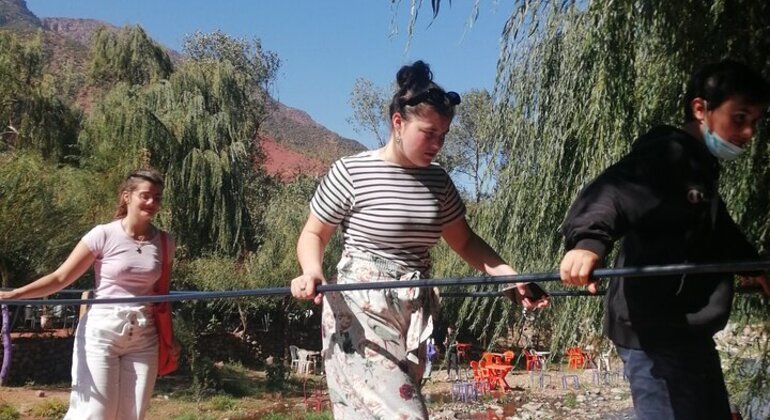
[477, 253]
[43, 286]
[310, 250]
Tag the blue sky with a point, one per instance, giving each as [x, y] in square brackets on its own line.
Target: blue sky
[324, 45]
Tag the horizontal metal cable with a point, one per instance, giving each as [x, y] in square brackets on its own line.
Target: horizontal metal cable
[646, 271]
[566, 293]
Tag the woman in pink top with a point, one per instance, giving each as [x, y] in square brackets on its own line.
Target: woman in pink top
[115, 360]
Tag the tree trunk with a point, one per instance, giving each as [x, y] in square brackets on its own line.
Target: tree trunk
[7, 349]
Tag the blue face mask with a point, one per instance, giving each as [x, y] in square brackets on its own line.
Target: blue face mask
[718, 146]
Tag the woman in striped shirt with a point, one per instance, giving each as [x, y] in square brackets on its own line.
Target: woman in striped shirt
[393, 205]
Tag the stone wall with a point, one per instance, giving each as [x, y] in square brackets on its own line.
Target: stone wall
[40, 360]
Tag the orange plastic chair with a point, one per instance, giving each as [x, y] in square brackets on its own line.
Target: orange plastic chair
[488, 375]
[508, 357]
[480, 377]
[488, 357]
[577, 358]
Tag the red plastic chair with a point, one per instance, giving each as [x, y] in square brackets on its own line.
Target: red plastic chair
[462, 349]
[532, 360]
[508, 357]
[315, 397]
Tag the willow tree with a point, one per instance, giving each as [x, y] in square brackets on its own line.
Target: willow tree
[33, 117]
[198, 126]
[127, 55]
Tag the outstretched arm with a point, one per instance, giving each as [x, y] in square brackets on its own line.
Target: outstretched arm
[79, 260]
[476, 252]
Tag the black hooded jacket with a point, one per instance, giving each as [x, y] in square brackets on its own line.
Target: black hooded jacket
[662, 199]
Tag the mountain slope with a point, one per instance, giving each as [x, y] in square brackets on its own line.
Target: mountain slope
[295, 129]
[15, 15]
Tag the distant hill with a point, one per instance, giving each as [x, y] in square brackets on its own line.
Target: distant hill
[78, 30]
[295, 129]
[286, 164]
[15, 15]
[290, 134]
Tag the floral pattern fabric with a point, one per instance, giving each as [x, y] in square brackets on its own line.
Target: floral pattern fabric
[374, 342]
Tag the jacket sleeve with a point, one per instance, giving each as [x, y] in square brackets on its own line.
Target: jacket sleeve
[620, 197]
[735, 245]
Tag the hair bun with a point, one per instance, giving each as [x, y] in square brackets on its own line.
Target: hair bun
[414, 76]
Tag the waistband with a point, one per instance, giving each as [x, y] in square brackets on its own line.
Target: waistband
[141, 314]
[388, 267]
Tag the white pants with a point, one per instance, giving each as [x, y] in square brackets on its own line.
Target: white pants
[114, 364]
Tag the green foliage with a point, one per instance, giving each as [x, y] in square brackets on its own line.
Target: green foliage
[259, 66]
[370, 110]
[469, 146]
[33, 195]
[209, 116]
[8, 412]
[118, 132]
[276, 374]
[36, 120]
[128, 56]
[324, 415]
[50, 409]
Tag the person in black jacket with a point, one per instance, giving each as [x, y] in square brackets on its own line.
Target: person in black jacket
[662, 199]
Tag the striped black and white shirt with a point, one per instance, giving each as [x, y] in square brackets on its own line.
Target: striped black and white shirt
[387, 210]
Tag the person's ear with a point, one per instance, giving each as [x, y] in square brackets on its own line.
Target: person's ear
[698, 107]
[397, 121]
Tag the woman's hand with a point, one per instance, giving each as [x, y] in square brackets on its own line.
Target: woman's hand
[303, 287]
[529, 295]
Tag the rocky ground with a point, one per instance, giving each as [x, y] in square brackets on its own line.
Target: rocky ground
[587, 400]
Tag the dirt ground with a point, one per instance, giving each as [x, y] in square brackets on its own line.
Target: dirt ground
[526, 400]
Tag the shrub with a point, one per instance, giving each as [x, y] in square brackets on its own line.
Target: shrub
[53, 409]
[276, 374]
[222, 403]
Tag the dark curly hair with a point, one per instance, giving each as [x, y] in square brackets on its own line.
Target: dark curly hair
[417, 92]
[717, 82]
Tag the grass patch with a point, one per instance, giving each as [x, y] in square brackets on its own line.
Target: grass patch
[222, 403]
[191, 415]
[570, 400]
[8, 412]
[323, 415]
[275, 416]
[53, 409]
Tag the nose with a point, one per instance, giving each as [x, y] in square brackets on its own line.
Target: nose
[747, 133]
